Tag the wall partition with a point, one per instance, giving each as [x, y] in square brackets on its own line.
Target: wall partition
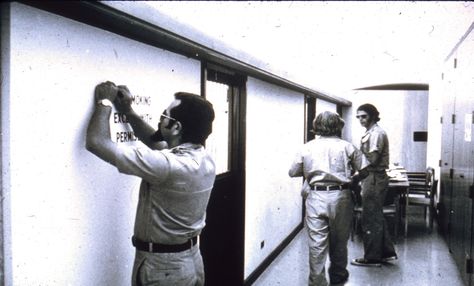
[64, 207]
[456, 88]
[67, 208]
[273, 204]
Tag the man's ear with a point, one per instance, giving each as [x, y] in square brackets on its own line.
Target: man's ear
[177, 128]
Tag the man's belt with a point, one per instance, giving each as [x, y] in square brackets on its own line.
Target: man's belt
[381, 171]
[162, 248]
[330, 188]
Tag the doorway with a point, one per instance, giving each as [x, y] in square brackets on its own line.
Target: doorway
[222, 240]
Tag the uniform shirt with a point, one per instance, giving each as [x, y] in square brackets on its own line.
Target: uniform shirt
[327, 161]
[375, 140]
[174, 192]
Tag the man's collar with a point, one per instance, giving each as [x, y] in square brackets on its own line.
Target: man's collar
[371, 127]
[186, 146]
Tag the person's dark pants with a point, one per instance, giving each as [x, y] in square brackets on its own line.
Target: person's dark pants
[376, 238]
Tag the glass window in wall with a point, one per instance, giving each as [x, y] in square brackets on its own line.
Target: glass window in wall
[219, 141]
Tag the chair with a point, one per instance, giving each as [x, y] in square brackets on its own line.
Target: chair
[391, 208]
[421, 193]
[419, 181]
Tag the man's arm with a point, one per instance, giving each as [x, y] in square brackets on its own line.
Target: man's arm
[142, 130]
[377, 143]
[98, 139]
[373, 157]
[359, 176]
[359, 164]
[295, 171]
[296, 168]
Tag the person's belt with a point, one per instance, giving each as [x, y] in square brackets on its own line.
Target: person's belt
[162, 248]
[376, 171]
[330, 188]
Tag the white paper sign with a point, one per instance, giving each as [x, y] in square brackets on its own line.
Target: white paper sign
[120, 130]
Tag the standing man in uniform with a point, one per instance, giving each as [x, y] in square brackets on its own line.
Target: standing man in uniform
[378, 246]
[177, 178]
[327, 163]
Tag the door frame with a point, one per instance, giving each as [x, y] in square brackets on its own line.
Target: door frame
[227, 204]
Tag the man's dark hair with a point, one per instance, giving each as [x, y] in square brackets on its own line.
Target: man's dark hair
[371, 111]
[195, 115]
[328, 124]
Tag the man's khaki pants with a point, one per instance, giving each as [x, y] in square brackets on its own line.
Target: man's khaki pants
[328, 220]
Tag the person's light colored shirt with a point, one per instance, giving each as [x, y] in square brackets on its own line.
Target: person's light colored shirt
[174, 192]
[327, 161]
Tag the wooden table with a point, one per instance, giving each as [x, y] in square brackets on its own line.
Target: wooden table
[400, 185]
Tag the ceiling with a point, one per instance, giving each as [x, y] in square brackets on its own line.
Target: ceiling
[336, 45]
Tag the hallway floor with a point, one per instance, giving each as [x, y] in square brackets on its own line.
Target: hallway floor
[423, 259]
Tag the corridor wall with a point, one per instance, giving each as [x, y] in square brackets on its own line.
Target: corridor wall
[273, 203]
[68, 215]
[455, 87]
[62, 206]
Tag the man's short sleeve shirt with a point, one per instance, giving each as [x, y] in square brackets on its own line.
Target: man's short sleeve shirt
[174, 192]
[376, 140]
[328, 161]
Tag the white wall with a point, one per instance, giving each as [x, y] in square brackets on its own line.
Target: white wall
[69, 215]
[65, 207]
[273, 205]
[435, 106]
[401, 113]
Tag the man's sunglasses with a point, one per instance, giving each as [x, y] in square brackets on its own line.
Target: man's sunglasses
[163, 116]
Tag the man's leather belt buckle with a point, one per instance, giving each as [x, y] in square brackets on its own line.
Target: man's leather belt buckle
[330, 188]
[162, 248]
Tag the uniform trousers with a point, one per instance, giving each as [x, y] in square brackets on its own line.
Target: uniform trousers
[183, 268]
[376, 238]
[328, 221]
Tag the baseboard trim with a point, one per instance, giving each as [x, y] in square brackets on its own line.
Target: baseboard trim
[263, 266]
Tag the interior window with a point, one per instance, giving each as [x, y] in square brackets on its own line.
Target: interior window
[219, 141]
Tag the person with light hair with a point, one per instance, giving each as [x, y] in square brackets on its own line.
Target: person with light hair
[329, 166]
